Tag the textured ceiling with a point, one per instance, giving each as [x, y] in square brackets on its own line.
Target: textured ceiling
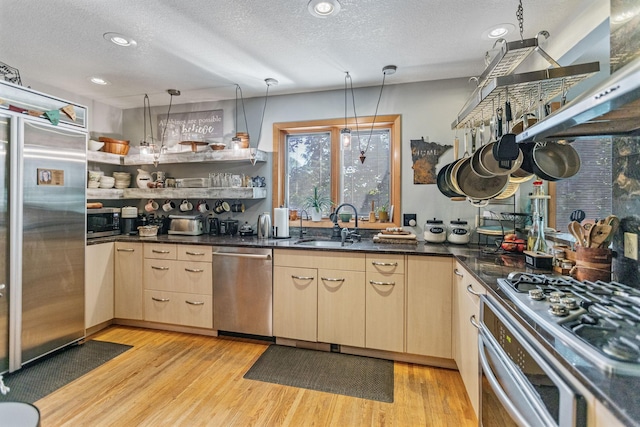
[204, 47]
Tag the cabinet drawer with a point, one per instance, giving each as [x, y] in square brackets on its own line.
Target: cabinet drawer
[385, 264]
[178, 308]
[319, 259]
[198, 253]
[159, 274]
[159, 251]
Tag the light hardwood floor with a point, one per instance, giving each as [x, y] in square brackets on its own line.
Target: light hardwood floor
[175, 379]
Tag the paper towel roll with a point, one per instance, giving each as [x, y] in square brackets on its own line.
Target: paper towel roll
[281, 222]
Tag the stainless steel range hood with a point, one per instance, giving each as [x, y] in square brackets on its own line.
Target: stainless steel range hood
[610, 108]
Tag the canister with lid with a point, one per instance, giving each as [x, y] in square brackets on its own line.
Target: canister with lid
[434, 231]
[459, 232]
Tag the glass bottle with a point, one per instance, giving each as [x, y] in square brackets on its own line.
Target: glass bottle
[536, 235]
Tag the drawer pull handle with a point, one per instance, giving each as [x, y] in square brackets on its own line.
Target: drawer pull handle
[457, 273]
[472, 319]
[159, 268]
[384, 264]
[472, 292]
[373, 282]
[331, 279]
[195, 253]
[156, 251]
[125, 250]
[302, 277]
[194, 302]
[194, 270]
[160, 299]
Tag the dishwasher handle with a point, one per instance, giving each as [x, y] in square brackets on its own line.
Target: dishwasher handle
[253, 256]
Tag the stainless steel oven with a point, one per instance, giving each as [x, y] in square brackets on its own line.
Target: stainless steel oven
[103, 222]
[521, 384]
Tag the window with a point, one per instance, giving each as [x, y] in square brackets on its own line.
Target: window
[309, 154]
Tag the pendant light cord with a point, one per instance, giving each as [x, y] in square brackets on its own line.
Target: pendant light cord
[264, 108]
[146, 110]
[244, 112]
[375, 115]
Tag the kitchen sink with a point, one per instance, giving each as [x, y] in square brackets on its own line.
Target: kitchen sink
[322, 243]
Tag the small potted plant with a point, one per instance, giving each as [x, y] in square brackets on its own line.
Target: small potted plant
[383, 215]
[316, 204]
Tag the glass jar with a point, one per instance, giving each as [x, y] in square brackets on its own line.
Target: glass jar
[459, 232]
[434, 231]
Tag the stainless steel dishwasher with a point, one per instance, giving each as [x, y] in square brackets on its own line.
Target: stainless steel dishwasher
[242, 290]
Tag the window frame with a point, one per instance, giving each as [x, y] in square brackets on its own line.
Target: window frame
[281, 130]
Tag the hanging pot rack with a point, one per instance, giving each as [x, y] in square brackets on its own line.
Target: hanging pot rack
[498, 80]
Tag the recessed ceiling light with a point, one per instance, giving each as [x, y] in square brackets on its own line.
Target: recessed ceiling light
[497, 31]
[323, 8]
[119, 39]
[99, 81]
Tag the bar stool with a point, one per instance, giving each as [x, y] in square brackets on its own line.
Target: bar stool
[19, 414]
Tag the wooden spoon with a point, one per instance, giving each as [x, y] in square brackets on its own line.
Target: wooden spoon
[577, 232]
[598, 235]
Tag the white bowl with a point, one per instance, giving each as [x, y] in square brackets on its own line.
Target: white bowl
[95, 145]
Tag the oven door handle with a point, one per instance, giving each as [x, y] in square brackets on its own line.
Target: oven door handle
[501, 394]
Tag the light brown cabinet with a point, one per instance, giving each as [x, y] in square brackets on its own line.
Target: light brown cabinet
[128, 280]
[177, 290]
[341, 307]
[295, 303]
[429, 299]
[99, 284]
[384, 304]
[466, 309]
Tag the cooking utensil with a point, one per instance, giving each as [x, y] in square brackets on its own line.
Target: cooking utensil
[577, 215]
[598, 234]
[577, 232]
[477, 187]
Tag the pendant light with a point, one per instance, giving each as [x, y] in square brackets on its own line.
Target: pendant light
[146, 147]
[345, 133]
[160, 150]
[236, 140]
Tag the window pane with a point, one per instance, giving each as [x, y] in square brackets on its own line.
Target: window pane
[308, 165]
[365, 182]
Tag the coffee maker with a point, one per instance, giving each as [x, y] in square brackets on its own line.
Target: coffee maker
[129, 220]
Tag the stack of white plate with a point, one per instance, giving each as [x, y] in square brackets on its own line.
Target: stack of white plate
[122, 179]
[107, 182]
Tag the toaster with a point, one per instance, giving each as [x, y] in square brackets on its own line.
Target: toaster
[190, 225]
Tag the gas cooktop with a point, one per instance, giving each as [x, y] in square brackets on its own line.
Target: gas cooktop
[600, 320]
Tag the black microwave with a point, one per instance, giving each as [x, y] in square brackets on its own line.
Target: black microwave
[103, 222]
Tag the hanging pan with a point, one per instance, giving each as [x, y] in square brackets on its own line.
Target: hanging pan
[477, 187]
[505, 151]
[444, 185]
[554, 161]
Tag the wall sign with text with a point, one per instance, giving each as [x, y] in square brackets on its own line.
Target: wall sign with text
[192, 126]
[425, 156]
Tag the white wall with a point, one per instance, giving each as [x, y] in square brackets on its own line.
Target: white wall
[427, 109]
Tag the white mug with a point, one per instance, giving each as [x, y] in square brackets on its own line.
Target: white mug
[151, 206]
[203, 207]
[168, 206]
[186, 206]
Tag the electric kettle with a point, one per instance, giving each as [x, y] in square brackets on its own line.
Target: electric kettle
[264, 226]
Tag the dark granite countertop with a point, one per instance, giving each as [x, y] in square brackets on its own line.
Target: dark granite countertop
[619, 393]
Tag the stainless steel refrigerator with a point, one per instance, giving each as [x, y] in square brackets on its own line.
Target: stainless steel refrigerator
[42, 227]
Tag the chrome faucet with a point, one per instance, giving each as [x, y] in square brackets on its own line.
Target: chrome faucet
[341, 234]
[302, 232]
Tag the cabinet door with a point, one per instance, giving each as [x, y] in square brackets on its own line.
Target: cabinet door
[429, 297]
[128, 280]
[466, 308]
[385, 311]
[341, 310]
[99, 284]
[295, 303]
